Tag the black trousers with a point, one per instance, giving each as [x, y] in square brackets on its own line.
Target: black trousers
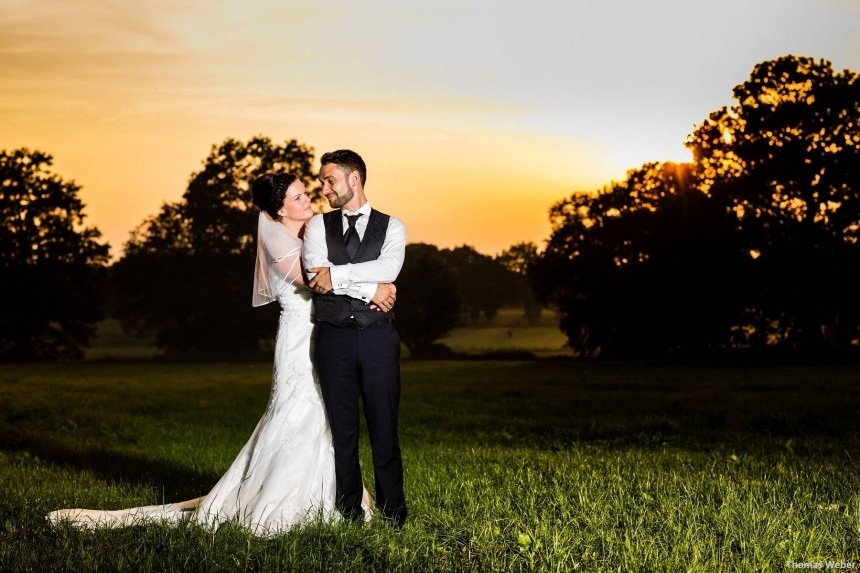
[355, 362]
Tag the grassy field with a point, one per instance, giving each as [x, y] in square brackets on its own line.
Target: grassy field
[111, 342]
[528, 466]
[509, 331]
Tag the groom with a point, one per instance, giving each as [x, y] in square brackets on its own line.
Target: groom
[355, 252]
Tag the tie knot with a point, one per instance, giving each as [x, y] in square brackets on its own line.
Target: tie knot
[352, 219]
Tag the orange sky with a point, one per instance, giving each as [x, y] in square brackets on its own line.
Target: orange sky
[472, 119]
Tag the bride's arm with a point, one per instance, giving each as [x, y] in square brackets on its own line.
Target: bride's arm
[358, 280]
[285, 254]
[314, 250]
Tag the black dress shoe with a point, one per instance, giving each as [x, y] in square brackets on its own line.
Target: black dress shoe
[354, 515]
[396, 519]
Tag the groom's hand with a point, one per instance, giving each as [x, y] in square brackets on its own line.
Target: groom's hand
[321, 283]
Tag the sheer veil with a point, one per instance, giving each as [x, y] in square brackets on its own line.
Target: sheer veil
[278, 260]
[284, 475]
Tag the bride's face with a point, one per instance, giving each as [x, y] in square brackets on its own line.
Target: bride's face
[297, 204]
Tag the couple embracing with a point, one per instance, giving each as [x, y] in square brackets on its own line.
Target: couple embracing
[331, 274]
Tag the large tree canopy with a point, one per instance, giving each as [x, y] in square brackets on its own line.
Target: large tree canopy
[645, 266]
[428, 303]
[186, 274]
[484, 285]
[785, 159]
[216, 215]
[752, 245]
[51, 265]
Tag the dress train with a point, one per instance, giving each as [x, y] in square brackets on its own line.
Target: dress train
[284, 474]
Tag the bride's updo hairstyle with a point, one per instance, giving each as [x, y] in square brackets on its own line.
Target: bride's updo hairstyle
[269, 190]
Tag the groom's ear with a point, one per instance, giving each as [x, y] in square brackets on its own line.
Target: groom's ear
[354, 178]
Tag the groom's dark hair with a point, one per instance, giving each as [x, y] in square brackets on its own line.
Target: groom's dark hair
[348, 160]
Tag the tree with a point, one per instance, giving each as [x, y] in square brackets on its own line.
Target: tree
[755, 244]
[518, 260]
[785, 159]
[643, 267]
[51, 266]
[483, 284]
[427, 305]
[185, 277]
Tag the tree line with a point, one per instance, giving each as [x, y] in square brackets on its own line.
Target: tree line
[753, 245]
[184, 277]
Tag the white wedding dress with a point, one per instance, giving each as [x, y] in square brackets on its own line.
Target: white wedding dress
[284, 475]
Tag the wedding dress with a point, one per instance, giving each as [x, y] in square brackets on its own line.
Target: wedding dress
[284, 475]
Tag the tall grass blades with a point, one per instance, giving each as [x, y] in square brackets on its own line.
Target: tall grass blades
[531, 466]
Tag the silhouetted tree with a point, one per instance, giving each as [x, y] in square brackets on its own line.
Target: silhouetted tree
[427, 305]
[186, 274]
[51, 264]
[518, 259]
[646, 266]
[785, 159]
[483, 284]
[754, 244]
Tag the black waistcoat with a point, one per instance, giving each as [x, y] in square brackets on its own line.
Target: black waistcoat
[337, 309]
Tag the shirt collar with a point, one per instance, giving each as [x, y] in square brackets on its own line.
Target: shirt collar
[364, 210]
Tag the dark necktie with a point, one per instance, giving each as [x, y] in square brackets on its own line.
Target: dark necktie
[351, 237]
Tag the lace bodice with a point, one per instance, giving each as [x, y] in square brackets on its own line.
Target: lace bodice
[293, 296]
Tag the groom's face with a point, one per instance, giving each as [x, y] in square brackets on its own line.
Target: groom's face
[335, 185]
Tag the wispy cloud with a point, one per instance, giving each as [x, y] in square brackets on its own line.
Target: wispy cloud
[555, 92]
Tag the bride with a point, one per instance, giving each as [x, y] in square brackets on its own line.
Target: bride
[284, 475]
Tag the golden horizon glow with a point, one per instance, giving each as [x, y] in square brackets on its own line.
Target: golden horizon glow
[472, 120]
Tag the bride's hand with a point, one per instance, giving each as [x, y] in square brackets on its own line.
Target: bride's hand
[321, 283]
[386, 294]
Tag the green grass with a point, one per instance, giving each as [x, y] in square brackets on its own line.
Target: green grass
[544, 466]
[510, 331]
[111, 341]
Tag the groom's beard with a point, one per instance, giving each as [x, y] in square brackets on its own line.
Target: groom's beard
[341, 200]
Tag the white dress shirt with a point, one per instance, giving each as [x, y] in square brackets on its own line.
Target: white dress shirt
[357, 280]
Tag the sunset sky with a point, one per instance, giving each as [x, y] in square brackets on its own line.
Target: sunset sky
[473, 116]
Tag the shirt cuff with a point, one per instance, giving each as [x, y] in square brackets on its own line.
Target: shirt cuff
[366, 291]
[339, 277]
